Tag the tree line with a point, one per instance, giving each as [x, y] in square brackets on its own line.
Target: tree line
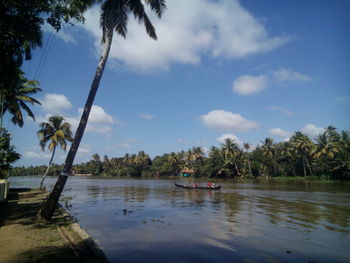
[327, 155]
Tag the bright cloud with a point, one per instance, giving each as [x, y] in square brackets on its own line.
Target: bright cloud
[248, 85]
[84, 149]
[312, 130]
[289, 75]
[147, 116]
[223, 137]
[280, 133]
[283, 110]
[226, 120]
[37, 155]
[99, 120]
[188, 31]
[55, 103]
[182, 140]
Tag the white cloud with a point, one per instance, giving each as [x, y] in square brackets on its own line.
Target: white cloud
[99, 120]
[283, 110]
[37, 155]
[55, 103]
[146, 116]
[341, 100]
[223, 137]
[280, 133]
[289, 75]
[84, 149]
[182, 141]
[312, 130]
[226, 120]
[248, 85]
[188, 31]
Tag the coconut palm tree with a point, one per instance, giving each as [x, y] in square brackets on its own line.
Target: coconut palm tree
[246, 147]
[54, 132]
[268, 149]
[231, 153]
[114, 17]
[16, 98]
[302, 145]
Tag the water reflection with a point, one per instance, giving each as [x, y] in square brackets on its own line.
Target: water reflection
[152, 221]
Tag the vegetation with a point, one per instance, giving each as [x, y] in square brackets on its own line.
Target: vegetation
[20, 31]
[114, 17]
[55, 132]
[8, 155]
[327, 156]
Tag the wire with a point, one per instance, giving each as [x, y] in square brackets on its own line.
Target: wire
[49, 44]
[42, 56]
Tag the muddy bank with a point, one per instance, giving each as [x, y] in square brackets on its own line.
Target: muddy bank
[60, 240]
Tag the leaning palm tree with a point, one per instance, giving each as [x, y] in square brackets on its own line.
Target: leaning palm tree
[54, 132]
[114, 17]
[15, 99]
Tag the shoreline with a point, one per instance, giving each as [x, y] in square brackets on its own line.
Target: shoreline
[60, 240]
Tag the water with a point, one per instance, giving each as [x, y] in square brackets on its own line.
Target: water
[145, 220]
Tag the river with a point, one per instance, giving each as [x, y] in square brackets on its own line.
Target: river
[147, 220]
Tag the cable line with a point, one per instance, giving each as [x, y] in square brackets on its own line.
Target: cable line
[42, 56]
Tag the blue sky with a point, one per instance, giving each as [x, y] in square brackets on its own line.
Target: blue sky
[241, 69]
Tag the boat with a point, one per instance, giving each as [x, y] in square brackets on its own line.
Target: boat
[198, 187]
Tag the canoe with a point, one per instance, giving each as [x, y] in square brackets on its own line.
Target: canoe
[198, 187]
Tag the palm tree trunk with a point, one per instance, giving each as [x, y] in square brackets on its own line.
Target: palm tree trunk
[236, 167]
[304, 165]
[250, 169]
[2, 109]
[291, 166]
[308, 165]
[50, 205]
[48, 167]
[275, 166]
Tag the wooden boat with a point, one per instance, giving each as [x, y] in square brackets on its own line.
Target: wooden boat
[198, 187]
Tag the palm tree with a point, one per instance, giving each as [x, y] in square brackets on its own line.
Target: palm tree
[231, 152]
[269, 152]
[16, 98]
[114, 17]
[302, 145]
[56, 132]
[246, 147]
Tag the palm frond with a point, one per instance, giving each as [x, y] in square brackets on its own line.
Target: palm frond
[158, 6]
[27, 109]
[138, 10]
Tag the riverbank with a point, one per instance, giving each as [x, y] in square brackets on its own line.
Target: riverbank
[60, 240]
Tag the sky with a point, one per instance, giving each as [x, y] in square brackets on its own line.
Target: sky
[220, 69]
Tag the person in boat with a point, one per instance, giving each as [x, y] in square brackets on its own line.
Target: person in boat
[195, 185]
[209, 185]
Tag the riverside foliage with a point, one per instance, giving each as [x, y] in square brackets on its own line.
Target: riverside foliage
[327, 155]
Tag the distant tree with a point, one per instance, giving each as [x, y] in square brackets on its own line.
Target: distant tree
[55, 132]
[302, 145]
[231, 153]
[246, 147]
[269, 153]
[8, 155]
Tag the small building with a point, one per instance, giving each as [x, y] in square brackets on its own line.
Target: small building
[186, 172]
